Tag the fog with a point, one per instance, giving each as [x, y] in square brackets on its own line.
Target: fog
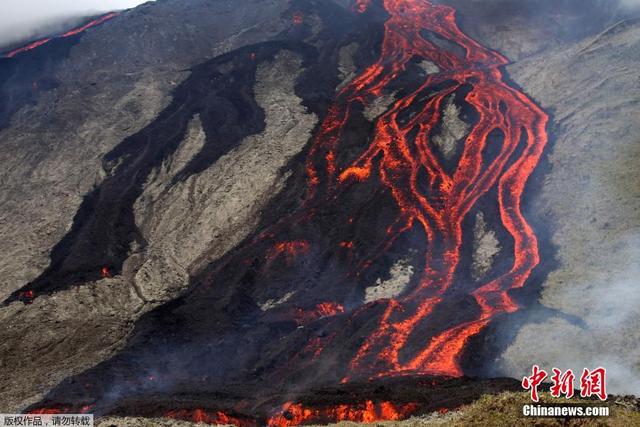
[630, 3]
[611, 327]
[22, 20]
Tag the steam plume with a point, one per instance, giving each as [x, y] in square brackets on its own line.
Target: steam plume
[22, 20]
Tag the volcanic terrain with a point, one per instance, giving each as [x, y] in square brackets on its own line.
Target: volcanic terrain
[287, 212]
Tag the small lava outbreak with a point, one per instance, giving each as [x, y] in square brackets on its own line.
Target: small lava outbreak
[69, 33]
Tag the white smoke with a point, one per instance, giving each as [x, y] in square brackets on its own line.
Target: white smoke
[630, 3]
[609, 305]
[22, 20]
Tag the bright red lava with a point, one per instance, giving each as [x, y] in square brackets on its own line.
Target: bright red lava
[324, 309]
[69, 33]
[297, 18]
[61, 410]
[105, 273]
[401, 150]
[288, 250]
[294, 414]
[209, 417]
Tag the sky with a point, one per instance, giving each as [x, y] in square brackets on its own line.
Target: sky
[25, 19]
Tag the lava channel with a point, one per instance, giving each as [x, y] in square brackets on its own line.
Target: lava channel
[401, 150]
[69, 33]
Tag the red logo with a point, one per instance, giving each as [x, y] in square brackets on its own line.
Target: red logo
[532, 382]
[592, 383]
[562, 383]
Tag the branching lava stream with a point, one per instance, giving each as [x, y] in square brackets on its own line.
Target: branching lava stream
[399, 157]
[405, 147]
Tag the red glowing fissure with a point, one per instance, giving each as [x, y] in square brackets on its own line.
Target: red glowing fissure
[400, 149]
[69, 33]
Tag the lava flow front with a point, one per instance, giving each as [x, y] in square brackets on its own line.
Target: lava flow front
[294, 414]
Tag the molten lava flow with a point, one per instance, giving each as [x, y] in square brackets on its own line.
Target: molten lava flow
[402, 157]
[61, 410]
[88, 25]
[289, 250]
[25, 48]
[210, 417]
[48, 411]
[295, 414]
[297, 18]
[404, 148]
[324, 309]
[69, 33]
[27, 296]
[105, 273]
[361, 6]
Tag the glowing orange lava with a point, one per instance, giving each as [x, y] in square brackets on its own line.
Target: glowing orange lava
[432, 198]
[25, 48]
[289, 250]
[26, 294]
[295, 414]
[297, 18]
[88, 25]
[47, 411]
[324, 309]
[209, 417]
[61, 410]
[399, 153]
[361, 6]
[105, 273]
[69, 33]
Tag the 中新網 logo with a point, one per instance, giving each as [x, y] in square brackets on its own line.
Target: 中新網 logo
[592, 383]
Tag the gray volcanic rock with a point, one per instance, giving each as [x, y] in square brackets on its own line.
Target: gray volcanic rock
[114, 80]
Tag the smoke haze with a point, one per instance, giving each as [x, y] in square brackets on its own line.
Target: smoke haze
[630, 3]
[22, 20]
[613, 304]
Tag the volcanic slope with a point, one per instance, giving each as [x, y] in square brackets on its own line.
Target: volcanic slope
[180, 203]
